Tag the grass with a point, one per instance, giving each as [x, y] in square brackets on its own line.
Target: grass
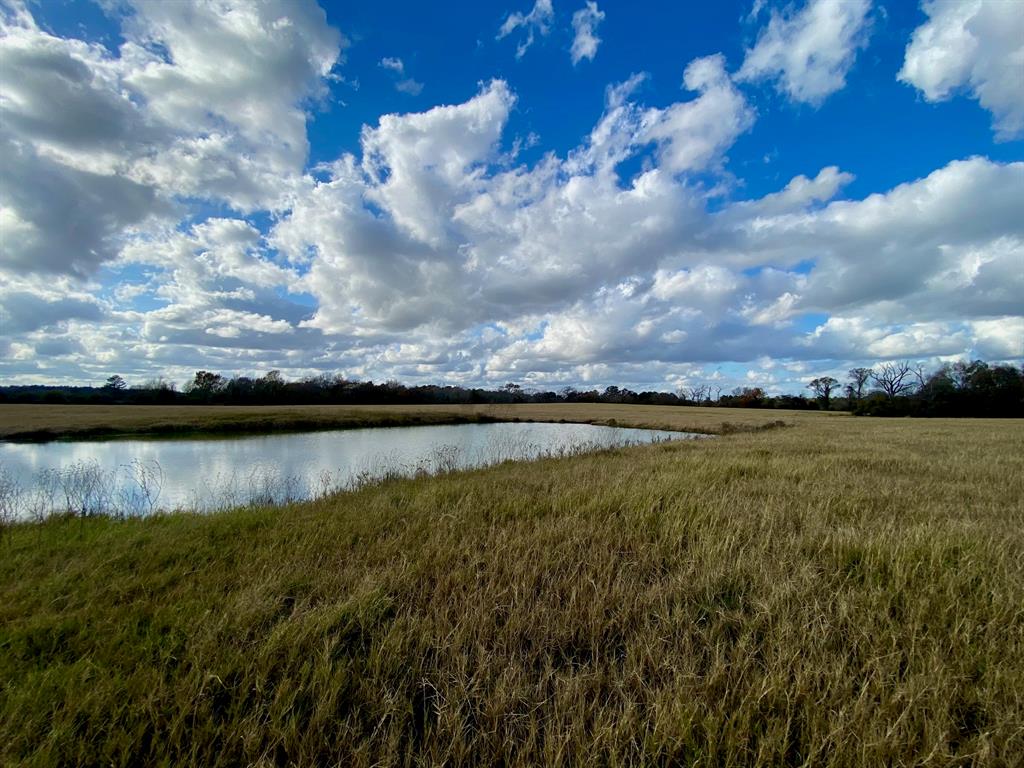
[846, 592]
[48, 422]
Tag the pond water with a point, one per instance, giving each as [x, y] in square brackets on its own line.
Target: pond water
[139, 476]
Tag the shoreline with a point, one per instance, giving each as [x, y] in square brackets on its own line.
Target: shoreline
[48, 423]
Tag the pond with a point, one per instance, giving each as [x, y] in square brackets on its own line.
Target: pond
[140, 476]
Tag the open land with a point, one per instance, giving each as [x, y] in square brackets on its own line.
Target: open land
[840, 592]
[48, 422]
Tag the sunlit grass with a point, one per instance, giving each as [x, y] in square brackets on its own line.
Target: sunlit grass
[842, 592]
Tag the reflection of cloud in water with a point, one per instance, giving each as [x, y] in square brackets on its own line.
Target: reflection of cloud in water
[122, 476]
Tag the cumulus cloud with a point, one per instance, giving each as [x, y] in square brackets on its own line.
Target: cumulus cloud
[693, 135]
[537, 21]
[432, 251]
[580, 271]
[421, 161]
[32, 305]
[202, 100]
[808, 53]
[976, 47]
[585, 39]
[490, 244]
[797, 194]
[936, 245]
[57, 218]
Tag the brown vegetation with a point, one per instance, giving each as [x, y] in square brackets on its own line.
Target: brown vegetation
[847, 592]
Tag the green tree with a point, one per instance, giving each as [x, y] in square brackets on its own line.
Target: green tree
[116, 383]
[206, 382]
[822, 387]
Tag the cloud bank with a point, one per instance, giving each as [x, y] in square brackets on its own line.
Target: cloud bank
[432, 252]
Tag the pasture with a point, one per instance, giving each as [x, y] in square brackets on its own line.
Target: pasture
[837, 592]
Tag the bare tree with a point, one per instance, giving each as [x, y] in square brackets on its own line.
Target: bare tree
[823, 386]
[892, 379]
[699, 393]
[858, 378]
[920, 374]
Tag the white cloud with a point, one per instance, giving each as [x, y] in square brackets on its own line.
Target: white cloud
[433, 253]
[56, 218]
[237, 70]
[587, 273]
[809, 53]
[585, 40]
[693, 135]
[1000, 338]
[403, 84]
[974, 46]
[798, 194]
[538, 21]
[422, 161]
[203, 99]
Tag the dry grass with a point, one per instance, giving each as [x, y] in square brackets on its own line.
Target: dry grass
[847, 592]
[50, 421]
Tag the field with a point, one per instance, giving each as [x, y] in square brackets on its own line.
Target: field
[65, 421]
[839, 592]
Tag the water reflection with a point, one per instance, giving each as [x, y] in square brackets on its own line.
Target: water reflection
[139, 476]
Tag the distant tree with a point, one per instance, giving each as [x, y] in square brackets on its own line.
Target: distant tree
[273, 379]
[892, 379]
[858, 378]
[206, 383]
[270, 386]
[748, 397]
[697, 393]
[515, 392]
[968, 375]
[116, 383]
[155, 390]
[921, 375]
[158, 383]
[822, 387]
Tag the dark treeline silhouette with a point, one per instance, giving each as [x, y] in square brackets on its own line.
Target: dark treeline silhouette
[958, 389]
[208, 388]
[892, 389]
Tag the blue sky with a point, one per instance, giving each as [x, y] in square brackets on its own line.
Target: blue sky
[554, 193]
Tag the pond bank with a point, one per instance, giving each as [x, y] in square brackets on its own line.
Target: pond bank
[131, 477]
[52, 422]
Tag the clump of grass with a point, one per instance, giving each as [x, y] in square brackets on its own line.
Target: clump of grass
[82, 489]
[843, 593]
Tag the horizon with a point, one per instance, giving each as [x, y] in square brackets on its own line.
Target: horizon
[547, 193]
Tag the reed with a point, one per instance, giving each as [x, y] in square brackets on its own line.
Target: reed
[845, 592]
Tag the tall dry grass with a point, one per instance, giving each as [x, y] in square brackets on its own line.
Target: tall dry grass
[841, 593]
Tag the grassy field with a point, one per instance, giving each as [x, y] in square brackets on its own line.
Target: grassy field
[842, 592]
[63, 421]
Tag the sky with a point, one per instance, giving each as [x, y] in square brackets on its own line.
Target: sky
[552, 192]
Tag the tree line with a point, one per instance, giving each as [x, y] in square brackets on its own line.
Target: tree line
[974, 388]
[891, 389]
